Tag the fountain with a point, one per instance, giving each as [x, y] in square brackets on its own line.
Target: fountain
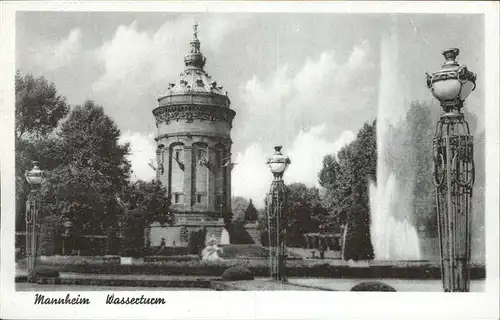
[391, 199]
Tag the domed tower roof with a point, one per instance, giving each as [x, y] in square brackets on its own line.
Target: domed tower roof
[194, 81]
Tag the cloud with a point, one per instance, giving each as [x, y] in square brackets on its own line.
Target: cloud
[251, 178]
[299, 111]
[138, 64]
[307, 153]
[320, 92]
[60, 54]
[136, 58]
[142, 151]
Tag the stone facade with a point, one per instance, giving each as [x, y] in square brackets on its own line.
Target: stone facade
[194, 123]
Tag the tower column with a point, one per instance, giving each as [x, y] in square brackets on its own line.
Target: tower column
[158, 163]
[212, 169]
[227, 182]
[188, 177]
[164, 168]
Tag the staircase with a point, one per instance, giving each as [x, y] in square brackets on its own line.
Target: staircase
[254, 233]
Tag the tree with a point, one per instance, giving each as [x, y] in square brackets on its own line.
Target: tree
[239, 205]
[251, 214]
[45, 150]
[420, 135]
[355, 163]
[304, 214]
[145, 203]
[39, 107]
[358, 244]
[149, 200]
[238, 234]
[91, 168]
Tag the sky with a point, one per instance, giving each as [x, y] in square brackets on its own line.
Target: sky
[307, 81]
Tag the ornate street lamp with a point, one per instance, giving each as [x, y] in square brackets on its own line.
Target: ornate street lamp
[35, 178]
[67, 232]
[276, 204]
[453, 170]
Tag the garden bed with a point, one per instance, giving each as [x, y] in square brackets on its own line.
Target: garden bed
[187, 257]
[62, 260]
[260, 268]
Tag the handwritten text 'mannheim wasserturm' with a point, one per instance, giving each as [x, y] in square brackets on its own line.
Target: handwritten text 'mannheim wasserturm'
[111, 299]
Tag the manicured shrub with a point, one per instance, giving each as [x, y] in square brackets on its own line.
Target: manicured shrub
[358, 244]
[373, 286]
[167, 251]
[244, 251]
[237, 273]
[189, 257]
[45, 272]
[196, 241]
[238, 234]
[68, 260]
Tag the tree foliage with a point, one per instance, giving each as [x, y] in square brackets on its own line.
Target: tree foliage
[148, 199]
[39, 107]
[355, 164]
[89, 171]
[304, 214]
[239, 205]
[251, 214]
[85, 165]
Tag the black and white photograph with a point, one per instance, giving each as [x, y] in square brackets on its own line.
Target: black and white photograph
[334, 149]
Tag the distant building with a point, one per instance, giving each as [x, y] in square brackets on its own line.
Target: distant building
[194, 122]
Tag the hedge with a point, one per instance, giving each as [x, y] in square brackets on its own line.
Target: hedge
[237, 273]
[46, 272]
[167, 251]
[189, 257]
[373, 286]
[238, 234]
[249, 251]
[260, 268]
[66, 260]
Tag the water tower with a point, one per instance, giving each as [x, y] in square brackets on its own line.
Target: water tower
[194, 122]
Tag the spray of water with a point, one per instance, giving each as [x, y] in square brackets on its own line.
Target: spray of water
[391, 200]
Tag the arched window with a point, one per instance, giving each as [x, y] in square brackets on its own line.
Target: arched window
[176, 179]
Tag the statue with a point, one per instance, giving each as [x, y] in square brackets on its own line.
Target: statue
[211, 251]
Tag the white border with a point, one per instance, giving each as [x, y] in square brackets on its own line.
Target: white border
[259, 305]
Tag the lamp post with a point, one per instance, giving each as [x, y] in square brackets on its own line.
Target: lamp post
[276, 204]
[35, 178]
[67, 233]
[453, 170]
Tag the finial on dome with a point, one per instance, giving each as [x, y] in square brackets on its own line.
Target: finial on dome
[195, 30]
[195, 58]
